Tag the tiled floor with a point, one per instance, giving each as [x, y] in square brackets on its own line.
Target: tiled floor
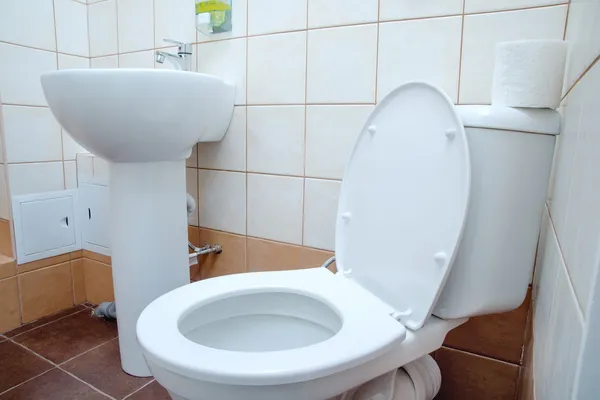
[68, 356]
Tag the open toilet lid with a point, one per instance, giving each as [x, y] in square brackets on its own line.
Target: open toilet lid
[404, 200]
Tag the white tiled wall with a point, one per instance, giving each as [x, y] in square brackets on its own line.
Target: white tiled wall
[566, 316]
[307, 75]
[37, 36]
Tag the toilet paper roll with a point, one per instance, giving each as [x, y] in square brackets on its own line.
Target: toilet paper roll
[529, 73]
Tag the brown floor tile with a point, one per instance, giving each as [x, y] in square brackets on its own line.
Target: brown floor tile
[18, 365]
[101, 368]
[151, 392]
[69, 337]
[467, 376]
[43, 321]
[53, 385]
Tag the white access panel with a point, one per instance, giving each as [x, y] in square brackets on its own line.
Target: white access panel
[45, 225]
[94, 205]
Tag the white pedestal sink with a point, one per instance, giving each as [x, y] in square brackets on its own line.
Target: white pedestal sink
[145, 123]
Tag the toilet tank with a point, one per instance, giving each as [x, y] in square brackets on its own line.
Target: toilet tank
[511, 157]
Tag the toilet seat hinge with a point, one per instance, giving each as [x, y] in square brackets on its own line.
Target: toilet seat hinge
[399, 315]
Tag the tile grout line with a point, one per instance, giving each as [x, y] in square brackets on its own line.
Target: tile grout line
[337, 104]
[377, 51]
[41, 49]
[57, 366]
[85, 383]
[117, 29]
[300, 30]
[85, 352]
[566, 268]
[247, 42]
[303, 220]
[62, 145]
[471, 352]
[445, 346]
[270, 174]
[27, 380]
[137, 390]
[460, 53]
[20, 299]
[73, 277]
[46, 324]
[583, 74]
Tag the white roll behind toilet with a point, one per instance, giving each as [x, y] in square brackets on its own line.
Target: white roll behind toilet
[438, 220]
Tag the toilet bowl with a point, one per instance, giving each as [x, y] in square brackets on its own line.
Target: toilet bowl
[303, 334]
[312, 334]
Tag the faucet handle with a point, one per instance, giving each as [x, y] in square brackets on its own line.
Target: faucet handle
[183, 48]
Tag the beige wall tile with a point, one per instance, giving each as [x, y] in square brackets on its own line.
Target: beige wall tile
[468, 376]
[10, 316]
[231, 261]
[97, 257]
[98, 281]
[44, 262]
[78, 275]
[498, 336]
[264, 255]
[45, 291]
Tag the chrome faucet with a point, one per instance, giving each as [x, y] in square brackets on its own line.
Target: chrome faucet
[182, 60]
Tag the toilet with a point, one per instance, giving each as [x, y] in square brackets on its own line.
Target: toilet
[438, 220]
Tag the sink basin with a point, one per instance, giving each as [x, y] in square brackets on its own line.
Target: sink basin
[145, 123]
[139, 115]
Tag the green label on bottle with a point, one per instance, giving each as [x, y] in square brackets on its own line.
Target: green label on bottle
[211, 5]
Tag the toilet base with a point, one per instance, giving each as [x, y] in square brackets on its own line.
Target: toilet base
[418, 380]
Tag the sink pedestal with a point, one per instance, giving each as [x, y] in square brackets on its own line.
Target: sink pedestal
[149, 244]
[141, 120]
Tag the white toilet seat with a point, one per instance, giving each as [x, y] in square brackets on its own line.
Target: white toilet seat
[363, 317]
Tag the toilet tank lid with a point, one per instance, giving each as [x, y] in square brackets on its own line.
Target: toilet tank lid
[531, 120]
